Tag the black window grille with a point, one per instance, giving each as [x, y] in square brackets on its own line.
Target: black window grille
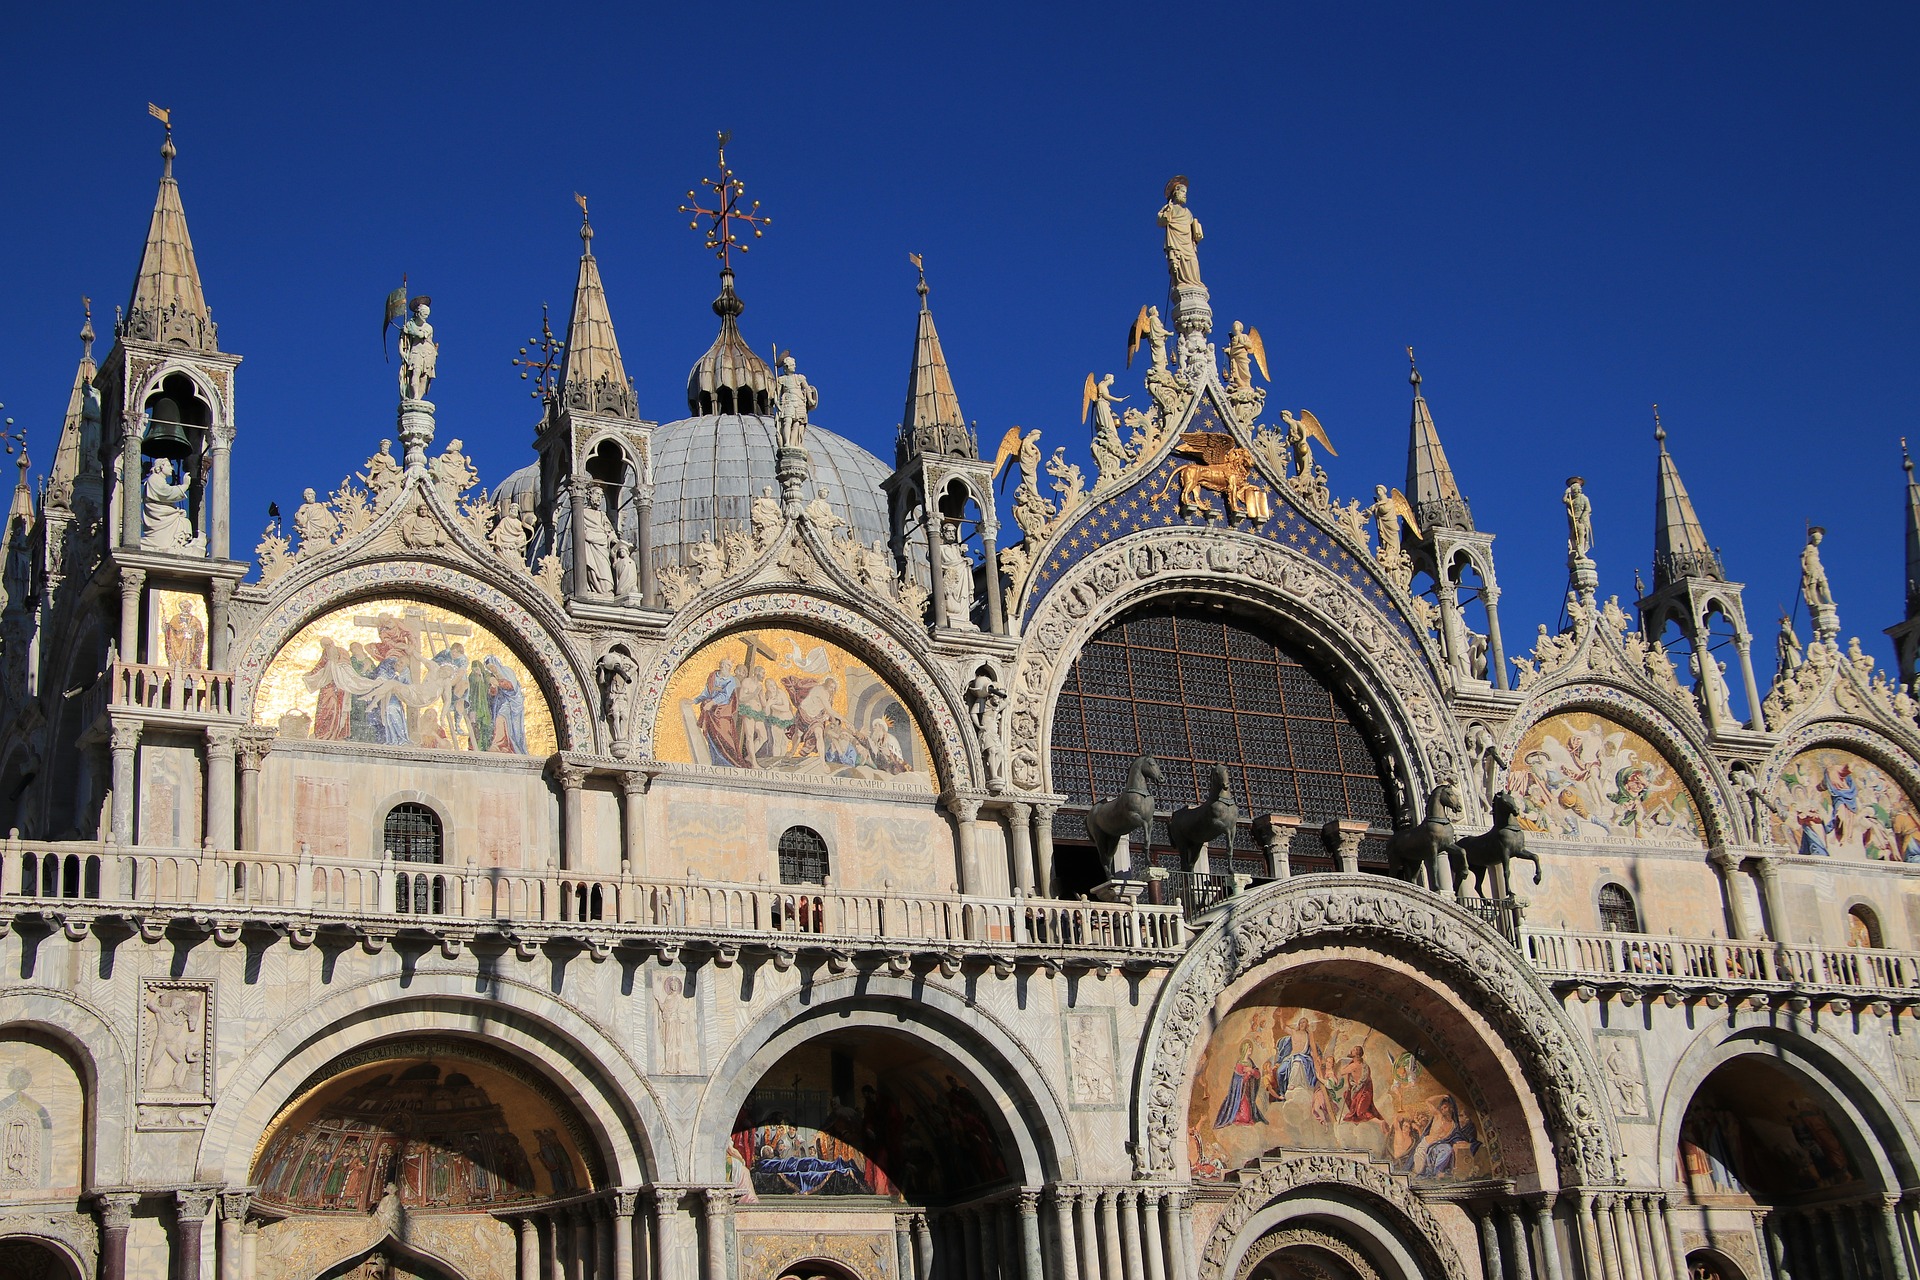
[413, 834]
[803, 856]
[1617, 912]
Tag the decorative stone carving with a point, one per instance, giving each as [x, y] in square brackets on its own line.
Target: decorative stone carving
[989, 699]
[453, 472]
[176, 1053]
[165, 524]
[617, 671]
[1274, 1242]
[420, 530]
[510, 535]
[315, 524]
[1432, 932]
[419, 354]
[793, 398]
[1067, 482]
[382, 476]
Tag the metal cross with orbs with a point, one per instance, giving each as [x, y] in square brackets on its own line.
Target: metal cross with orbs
[544, 370]
[726, 195]
[13, 439]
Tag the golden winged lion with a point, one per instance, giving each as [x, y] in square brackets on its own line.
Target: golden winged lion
[1222, 464]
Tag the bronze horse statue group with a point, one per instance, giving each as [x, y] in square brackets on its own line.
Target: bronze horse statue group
[1415, 850]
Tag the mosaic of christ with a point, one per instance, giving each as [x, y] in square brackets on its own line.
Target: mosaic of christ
[1283, 1077]
[1832, 803]
[1578, 776]
[399, 672]
[789, 702]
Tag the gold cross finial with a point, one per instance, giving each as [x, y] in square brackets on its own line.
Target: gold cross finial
[727, 210]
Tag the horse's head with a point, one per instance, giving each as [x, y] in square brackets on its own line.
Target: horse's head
[1148, 768]
[1444, 796]
[1505, 808]
[1222, 781]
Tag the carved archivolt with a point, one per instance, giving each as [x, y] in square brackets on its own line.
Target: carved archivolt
[1305, 1237]
[551, 662]
[1158, 562]
[1261, 1188]
[919, 677]
[1876, 746]
[1399, 918]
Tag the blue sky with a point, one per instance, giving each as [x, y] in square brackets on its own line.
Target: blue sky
[1570, 212]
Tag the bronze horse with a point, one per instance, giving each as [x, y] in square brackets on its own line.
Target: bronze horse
[1112, 821]
[1192, 829]
[1414, 850]
[1494, 852]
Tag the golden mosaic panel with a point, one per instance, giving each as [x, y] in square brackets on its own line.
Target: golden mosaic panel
[1580, 776]
[179, 621]
[1831, 802]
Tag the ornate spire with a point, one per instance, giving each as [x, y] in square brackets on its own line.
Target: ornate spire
[593, 379]
[730, 377]
[1913, 533]
[168, 305]
[69, 458]
[1680, 548]
[1431, 488]
[931, 421]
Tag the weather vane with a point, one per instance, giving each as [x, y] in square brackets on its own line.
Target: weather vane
[542, 371]
[726, 197]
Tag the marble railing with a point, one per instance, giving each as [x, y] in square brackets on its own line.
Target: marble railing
[189, 691]
[1647, 964]
[81, 881]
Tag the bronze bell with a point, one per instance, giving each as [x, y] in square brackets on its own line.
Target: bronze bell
[166, 435]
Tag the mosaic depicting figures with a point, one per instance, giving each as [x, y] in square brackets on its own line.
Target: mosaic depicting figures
[878, 1120]
[457, 1135]
[1280, 1077]
[1753, 1130]
[400, 672]
[789, 702]
[1831, 803]
[1578, 776]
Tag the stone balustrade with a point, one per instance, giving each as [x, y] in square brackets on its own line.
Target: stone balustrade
[1647, 964]
[78, 880]
[146, 686]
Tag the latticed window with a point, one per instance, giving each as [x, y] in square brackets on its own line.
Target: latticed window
[1199, 690]
[413, 833]
[1617, 912]
[803, 856]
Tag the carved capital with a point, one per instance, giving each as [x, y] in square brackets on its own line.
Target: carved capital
[235, 1204]
[221, 592]
[570, 776]
[255, 742]
[116, 1209]
[1020, 814]
[626, 1201]
[131, 580]
[1029, 1200]
[193, 1204]
[126, 735]
[635, 783]
[221, 740]
[964, 808]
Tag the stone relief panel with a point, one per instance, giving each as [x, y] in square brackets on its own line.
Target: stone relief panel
[678, 1027]
[394, 671]
[1093, 1056]
[43, 1119]
[790, 703]
[1623, 1062]
[176, 1053]
[1580, 776]
[776, 1253]
[1831, 802]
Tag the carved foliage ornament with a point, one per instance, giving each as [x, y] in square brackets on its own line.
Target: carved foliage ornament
[1155, 562]
[1829, 682]
[1404, 920]
[1258, 1189]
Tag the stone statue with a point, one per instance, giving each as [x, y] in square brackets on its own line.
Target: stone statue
[1192, 829]
[1813, 575]
[166, 526]
[596, 577]
[1109, 454]
[767, 517]
[510, 535]
[315, 523]
[1579, 518]
[617, 671]
[382, 476]
[1484, 757]
[1183, 236]
[626, 571]
[956, 576]
[418, 352]
[418, 528]
[793, 398]
[989, 698]
[1389, 511]
[454, 472]
[1156, 335]
[1244, 350]
[1759, 804]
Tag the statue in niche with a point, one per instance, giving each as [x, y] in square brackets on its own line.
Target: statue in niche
[1813, 575]
[418, 352]
[510, 535]
[382, 476]
[626, 571]
[793, 398]
[596, 574]
[315, 523]
[989, 698]
[617, 671]
[956, 576]
[166, 526]
[1183, 236]
[1579, 518]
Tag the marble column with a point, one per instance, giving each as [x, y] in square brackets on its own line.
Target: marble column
[1066, 1254]
[719, 1206]
[1489, 1231]
[1089, 1234]
[116, 1216]
[220, 809]
[1726, 866]
[529, 1250]
[1029, 1209]
[555, 1261]
[1152, 1202]
[903, 1243]
[190, 1220]
[217, 516]
[990, 1243]
[624, 1204]
[922, 1248]
[1020, 844]
[126, 738]
[1548, 1266]
[252, 747]
[131, 581]
[131, 477]
[964, 812]
[249, 1250]
[1496, 649]
[219, 597]
[578, 495]
[1766, 868]
[1593, 1260]
[996, 620]
[644, 554]
[1670, 1239]
[1111, 1268]
[1189, 1249]
[1516, 1237]
[1043, 848]
[233, 1217]
[572, 816]
[1888, 1225]
[937, 597]
[970, 1243]
[583, 1224]
[1127, 1204]
[1635, 1207]
[1172, 1226]
[1629, 1252]
[1756, 718]
[633, 821]
[1776, 1244]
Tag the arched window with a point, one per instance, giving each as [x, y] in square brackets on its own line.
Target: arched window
[803, 856]
[1617, 912]
[1863, 929]
[412, 834]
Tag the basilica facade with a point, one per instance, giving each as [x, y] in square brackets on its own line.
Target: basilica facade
[710, 851]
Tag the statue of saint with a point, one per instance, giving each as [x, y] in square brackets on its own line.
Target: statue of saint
[1183, 235]
[1156, 340]
[793, 398]
[166, 526]
[1813, 575]
[617, 673]
[626, 571]
[596, 576]
[1786, 649]
[510, 536]
[1109, 455]
[315, 524]
[418, 353]
[382, 476]
[956, 576]
[1579, 518]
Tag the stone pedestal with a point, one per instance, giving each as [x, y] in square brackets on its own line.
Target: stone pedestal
[1826, 622]
[1192, 309]
[416, 431]
[1584, 574]
[791, 468]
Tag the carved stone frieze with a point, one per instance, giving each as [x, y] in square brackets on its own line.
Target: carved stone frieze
[1830, 684]
[1598, 643]
[776, 1253]
[1158, 561]
[1261, 1186]
[1433, 932]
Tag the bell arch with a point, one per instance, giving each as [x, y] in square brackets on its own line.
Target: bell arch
[1430, 933]
[1033, 1129]
[595, 1076]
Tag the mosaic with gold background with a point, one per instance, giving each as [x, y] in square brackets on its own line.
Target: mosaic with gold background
[400, 672]
[1580, 776]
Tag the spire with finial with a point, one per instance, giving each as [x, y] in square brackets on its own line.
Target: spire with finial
[83, 403]
[931, 422]
[1431, 488]
[1913, 533]
[1680, 547]
[168, 305]
[593, 378]
[731, 377]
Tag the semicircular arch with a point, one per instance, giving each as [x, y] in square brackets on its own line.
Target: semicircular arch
[1358, 643]
[104, 1058]
[920, 1011]
[595, 1076]
[896, 654]
[1429, 930]
[556, 668]
[1365, 1200]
